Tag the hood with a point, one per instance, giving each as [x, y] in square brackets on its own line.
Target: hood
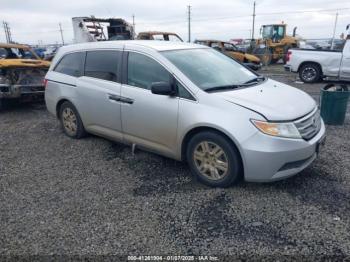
[23, 63]
[274, 100]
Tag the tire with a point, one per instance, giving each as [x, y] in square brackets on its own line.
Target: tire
[70, 121]
[310, 73]
[203, 162]
[264, 54]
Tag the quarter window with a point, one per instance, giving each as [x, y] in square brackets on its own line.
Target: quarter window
[143, 71]
[102, 64]
[182, 92]
[71, 64]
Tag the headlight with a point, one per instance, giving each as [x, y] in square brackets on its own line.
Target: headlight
[288, 130]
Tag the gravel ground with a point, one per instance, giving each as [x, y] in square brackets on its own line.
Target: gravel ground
[92, 197]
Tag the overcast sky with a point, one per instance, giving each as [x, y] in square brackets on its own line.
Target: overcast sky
[34, 20]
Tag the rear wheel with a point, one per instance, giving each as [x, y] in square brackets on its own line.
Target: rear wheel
[71, 121]
[214, 159]
[310, 73]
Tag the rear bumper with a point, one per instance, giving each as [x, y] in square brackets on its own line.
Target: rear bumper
[287, 68]
[17, 91]
[268, 159]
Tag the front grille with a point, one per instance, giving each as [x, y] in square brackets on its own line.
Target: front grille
[309, 125]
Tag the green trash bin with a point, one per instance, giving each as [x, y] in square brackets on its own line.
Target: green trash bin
[334, 99]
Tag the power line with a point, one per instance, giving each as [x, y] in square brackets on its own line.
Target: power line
[271, 13]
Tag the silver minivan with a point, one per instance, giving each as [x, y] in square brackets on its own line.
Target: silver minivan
[186, 102]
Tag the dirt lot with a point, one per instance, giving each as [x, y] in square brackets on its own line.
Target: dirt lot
[92, 197]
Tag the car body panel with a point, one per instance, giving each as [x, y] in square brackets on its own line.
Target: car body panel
[274, 100]
[162, 123]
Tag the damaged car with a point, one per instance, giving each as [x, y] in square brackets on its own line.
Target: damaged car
[161, 36]
[251, 61]
[21, 73]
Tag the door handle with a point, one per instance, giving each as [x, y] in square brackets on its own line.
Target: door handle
[126, 100]
[114, 97]
[120, 99]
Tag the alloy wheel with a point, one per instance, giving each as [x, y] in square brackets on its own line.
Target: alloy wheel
[210, 160]
[309, 74]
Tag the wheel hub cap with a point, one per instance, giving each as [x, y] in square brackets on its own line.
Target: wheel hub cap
[309, 73]
[211, 160]
[69, 121]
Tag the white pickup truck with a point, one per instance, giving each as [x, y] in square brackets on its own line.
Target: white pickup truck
[314, 65]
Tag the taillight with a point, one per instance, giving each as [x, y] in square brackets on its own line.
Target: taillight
[288, 55]
[45, 82]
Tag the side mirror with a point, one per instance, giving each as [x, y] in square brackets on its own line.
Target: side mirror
[162, 88]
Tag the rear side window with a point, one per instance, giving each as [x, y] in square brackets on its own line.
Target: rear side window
[143, 71]
[71, 64]
[103, 64]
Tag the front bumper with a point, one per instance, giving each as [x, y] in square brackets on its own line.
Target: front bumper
[267, 158]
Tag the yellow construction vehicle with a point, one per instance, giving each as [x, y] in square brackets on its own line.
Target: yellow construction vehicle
[274, 43]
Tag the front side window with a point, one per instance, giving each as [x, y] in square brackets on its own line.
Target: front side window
[103, 64]
[143, 71]
[71, 64]
[208, 68]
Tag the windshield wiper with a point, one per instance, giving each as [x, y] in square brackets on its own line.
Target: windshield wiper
[248, 83]
[217, 88]
[255, 80]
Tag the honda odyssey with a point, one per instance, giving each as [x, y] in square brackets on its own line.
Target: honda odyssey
[187, 102]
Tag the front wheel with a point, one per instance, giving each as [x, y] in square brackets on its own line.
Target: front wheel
[214, 159]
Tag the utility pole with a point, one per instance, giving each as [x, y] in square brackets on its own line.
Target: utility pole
[253, 21]
[133, 25]
[189, 23]
[7, 32]
[335, 28]
[61, 33]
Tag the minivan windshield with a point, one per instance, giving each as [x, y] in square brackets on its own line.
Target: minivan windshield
[209, 69]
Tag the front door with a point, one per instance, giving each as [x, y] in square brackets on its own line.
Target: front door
[148, 120]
